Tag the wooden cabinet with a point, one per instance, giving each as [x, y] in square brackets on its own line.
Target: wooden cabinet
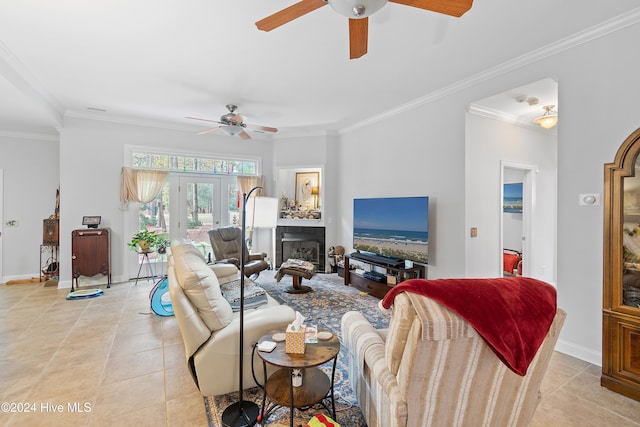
[90, 254]
[379, 289]
[621, 290]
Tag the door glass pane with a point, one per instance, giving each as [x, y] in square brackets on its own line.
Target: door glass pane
[631, 240]
[154, 216]
[233, 208]
[200, 214]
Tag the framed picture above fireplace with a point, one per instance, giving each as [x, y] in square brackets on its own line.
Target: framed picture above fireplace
[307, 189]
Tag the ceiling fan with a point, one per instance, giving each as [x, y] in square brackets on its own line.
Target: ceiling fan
[233, 124]
[358, 12]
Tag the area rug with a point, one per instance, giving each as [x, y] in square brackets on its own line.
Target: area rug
[324, 307]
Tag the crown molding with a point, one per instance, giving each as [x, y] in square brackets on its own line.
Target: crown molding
[607, 27]
[16, 73]
[158, 124]
[30, 135]
[128, 120]
[490, 113]
[512, 119]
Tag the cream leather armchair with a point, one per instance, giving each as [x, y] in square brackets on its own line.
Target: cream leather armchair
[210, 330]
[448, 378]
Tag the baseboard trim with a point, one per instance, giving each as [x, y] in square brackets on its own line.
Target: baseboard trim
[580, 352]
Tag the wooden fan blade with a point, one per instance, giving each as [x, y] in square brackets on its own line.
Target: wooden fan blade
[203, 120]
[448, 7]
[237, 118]
[204, 132]
[264, 128]
[244, 135]
[289, 14]
[358, 36]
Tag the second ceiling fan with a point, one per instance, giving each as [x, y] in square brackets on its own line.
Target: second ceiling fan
[233, 124]
[358, 12]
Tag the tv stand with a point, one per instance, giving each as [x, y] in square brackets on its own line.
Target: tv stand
[377, 289]
[378, 259]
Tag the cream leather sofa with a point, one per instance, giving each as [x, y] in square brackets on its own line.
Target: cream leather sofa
[436, 370]
[210, 329]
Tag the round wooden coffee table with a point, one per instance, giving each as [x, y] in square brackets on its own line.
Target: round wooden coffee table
[316, 385]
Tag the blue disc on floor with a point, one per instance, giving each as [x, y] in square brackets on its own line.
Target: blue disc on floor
[85, 293]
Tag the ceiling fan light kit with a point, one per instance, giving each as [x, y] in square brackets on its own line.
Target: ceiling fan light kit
[358, 12]
[549, 119]
[232, 130]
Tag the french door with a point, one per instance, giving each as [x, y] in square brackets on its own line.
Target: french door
[200, 202]
[188, 206]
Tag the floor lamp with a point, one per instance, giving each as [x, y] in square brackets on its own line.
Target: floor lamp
[264, 215]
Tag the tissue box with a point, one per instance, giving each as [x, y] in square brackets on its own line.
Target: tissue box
[294, 340]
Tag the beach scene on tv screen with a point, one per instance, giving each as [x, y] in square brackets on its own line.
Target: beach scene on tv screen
[396, 227]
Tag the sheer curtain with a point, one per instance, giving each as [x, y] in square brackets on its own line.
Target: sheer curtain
[246, 183]
[141, 185]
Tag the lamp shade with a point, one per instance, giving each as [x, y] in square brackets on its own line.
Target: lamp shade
[547, 122]
[549, 119]
[232, 130]
[263, 212]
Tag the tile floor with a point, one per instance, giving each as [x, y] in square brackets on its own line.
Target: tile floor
[109, 361]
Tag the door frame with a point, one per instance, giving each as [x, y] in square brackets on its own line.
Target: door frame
[528, 207]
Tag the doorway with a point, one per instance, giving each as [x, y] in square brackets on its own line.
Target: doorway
[516, 221]
[188, 206]
[500, 132]
[200, 202]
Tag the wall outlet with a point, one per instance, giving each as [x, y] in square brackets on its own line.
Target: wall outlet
[11, 223]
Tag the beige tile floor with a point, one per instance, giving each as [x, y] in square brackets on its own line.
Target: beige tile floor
[109, 361]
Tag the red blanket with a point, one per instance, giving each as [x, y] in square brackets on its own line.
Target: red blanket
[512, 314]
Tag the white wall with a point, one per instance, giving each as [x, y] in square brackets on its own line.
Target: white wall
[30, 178]
[598, 89]
[488, 143]
[422, 157]
[91, 157]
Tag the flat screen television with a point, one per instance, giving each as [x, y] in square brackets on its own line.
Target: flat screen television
[392, 226]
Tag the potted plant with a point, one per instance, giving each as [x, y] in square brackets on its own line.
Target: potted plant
[143, 240]
[162, 244]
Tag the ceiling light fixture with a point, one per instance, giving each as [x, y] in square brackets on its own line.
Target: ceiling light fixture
[357, 9]
[232, 130]
[549, 119]
[531, 100]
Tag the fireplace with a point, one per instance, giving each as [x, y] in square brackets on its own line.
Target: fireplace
[306, 243]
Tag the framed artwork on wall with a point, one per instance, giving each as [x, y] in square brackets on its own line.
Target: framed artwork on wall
[512, 199]
[306, 182]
